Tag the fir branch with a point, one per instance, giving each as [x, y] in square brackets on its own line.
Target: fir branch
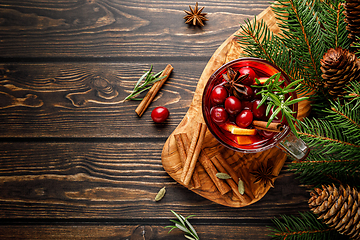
[305, 227]
[333, 18]
[258, 41]
[319, 169]
[303, 34]
[354, 94]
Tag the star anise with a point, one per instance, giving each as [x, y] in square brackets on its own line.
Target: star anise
[195, 16]
[233, 79]
[264, 175]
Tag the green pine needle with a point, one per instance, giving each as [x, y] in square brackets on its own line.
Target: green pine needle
[334, 138]
[305, 227]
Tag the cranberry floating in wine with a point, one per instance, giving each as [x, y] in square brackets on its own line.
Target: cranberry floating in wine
[218, 95]
[244, 119]
[219, 115]
[232, 105]
[251, 75]
[258, 111]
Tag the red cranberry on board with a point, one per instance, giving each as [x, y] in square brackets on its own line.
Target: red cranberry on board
[159, 114]
[244, 118]
[249, 95]
[218, 95]
[232, 105]
[219, 115]
[251, 78]
[259, 113]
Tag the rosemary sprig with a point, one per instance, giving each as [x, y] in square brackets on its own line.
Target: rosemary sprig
[144, 83]
[274, 95]
[184, 225]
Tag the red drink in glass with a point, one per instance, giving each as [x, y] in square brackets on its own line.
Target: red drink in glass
[258, 140]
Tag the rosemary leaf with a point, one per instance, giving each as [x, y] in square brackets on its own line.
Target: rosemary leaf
[143, 84]
[185, 226]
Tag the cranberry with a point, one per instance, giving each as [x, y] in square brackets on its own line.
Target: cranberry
[244, 119]
[218, 115]
[257, 96]
[251, 78]
[233, 105]
[259, 113]
[249, 95]
[218, 95]
[159, 114]
[247, 104]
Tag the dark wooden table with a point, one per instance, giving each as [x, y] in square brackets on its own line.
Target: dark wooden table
[75, 161]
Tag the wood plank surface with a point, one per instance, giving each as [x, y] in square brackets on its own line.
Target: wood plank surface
[85, 99]
[133, 232]
[121, 29]
[113, 180]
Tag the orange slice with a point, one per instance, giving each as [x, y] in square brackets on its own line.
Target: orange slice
[243, 131]
[234, 129]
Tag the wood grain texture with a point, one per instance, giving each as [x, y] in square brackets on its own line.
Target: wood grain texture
[85, 99]
[103, 28]
[114, 180]
[133, 232]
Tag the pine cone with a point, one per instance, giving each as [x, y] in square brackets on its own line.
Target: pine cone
[352, 18]
[339, 66]
[339, 208]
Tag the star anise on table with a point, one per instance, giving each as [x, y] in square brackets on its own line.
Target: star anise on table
[264, 175]
[195, 16]
[233, 79]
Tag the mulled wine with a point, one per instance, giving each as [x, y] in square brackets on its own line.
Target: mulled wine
[231, 105]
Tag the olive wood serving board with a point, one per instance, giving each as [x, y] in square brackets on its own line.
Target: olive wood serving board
[242, 163]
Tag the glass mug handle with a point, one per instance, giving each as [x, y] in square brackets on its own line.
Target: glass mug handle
[294, 146]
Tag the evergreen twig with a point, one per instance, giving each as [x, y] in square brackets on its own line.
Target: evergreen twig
[305, 227]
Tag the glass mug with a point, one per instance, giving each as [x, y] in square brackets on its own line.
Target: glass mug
[262, 140]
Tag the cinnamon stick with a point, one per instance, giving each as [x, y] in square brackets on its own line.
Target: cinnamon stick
[231, 181]
[273, 127]
[195, 181]
[193, 154]
[153, 91]
[209, 168]
[190, 151]
[233, 174]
